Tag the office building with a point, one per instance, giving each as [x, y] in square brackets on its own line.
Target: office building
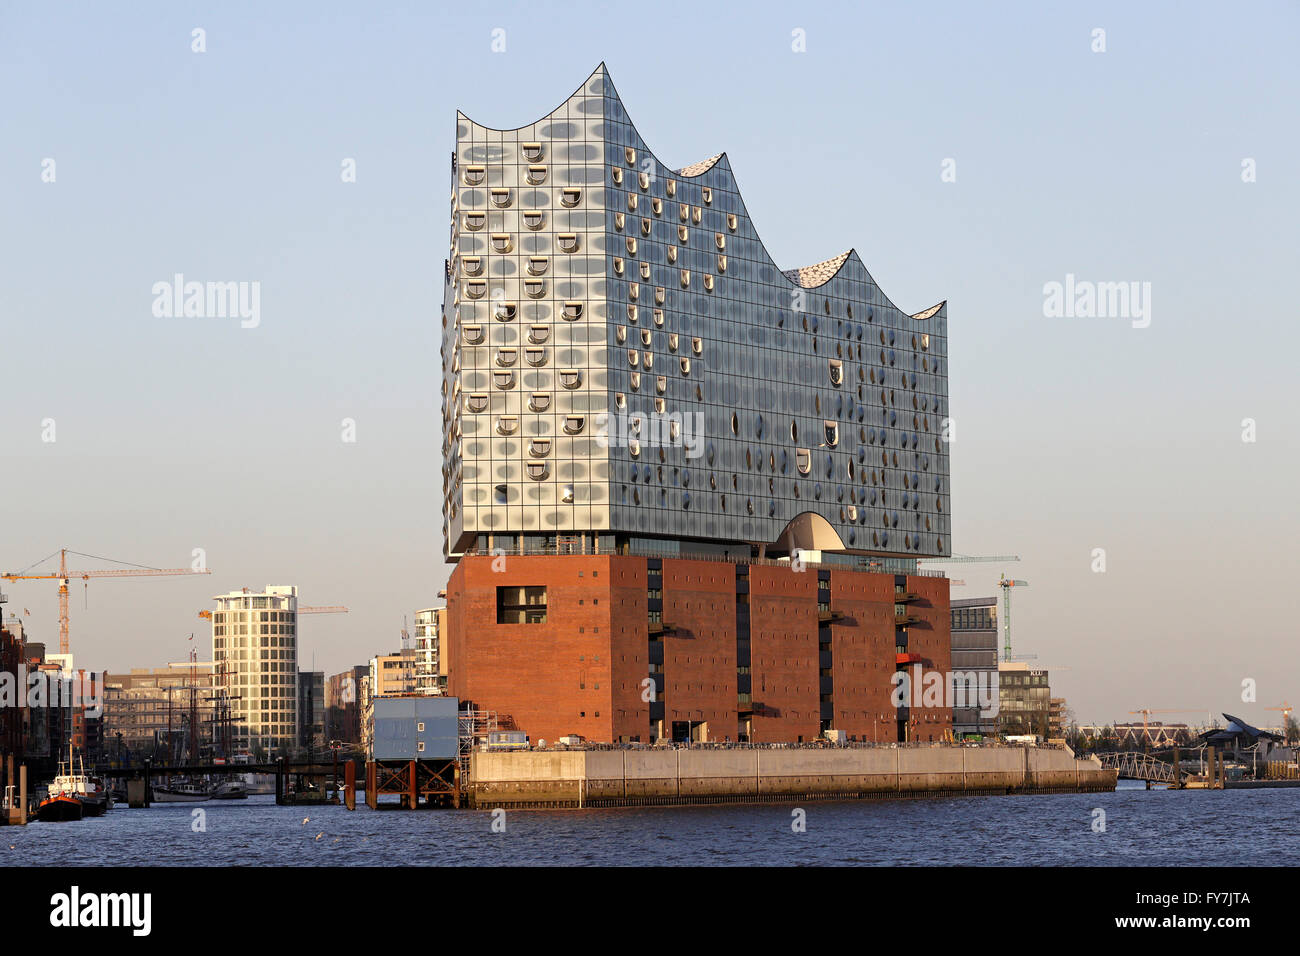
[974, 664]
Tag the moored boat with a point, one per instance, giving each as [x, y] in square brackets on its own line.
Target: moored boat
[60, 808]
[182, 792]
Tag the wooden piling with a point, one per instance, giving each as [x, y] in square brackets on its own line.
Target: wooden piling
[350, 785]
[22, 795]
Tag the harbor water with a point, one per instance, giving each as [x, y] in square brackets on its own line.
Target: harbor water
[1130, 827]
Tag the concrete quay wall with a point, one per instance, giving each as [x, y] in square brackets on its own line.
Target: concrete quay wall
[604, 778]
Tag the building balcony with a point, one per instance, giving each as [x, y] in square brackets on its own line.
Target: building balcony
[906, 597]
[902, 618]
[826, 616]
[908, 658]
[661, 627]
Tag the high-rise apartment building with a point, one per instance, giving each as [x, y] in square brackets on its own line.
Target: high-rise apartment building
[430, 669]
[255, 660]
[686, 489]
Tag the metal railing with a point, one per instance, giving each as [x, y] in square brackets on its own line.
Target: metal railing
[863, 565]
[806, 745]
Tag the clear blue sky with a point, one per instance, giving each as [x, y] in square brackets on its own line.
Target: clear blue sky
[1072, 434]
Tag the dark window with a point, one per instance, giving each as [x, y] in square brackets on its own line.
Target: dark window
[521, 605]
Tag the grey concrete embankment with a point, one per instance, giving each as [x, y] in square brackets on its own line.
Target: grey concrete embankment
[605, 778]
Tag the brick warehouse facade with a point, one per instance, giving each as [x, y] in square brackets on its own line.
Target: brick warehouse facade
[736, 651]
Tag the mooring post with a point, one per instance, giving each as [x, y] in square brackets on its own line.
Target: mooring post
[148, 791]
[413, 790]
[279, 781]
[350, 785]
[22, 795]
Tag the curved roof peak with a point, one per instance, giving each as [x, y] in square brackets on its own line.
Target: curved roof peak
[819, 273]
[930, 312]
[698, 169]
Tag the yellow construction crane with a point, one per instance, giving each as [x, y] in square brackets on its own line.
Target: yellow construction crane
[1286, 709]
[323, 609]
[63, 576]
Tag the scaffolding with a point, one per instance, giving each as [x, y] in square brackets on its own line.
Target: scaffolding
[475, 725]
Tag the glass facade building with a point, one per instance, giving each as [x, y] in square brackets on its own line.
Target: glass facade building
[624, 363]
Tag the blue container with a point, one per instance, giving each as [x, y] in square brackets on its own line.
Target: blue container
[416, 728]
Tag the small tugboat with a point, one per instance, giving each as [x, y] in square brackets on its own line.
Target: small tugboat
[59, 808]
[92, 797]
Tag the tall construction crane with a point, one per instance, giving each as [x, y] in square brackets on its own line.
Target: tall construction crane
[1006, 584]
[1286, 709]
[969, 559]
[64, 576]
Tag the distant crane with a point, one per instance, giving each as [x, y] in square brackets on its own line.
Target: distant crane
[968, 559]
[323, 609]
[1286, 709]
[1006, 584]
[64, 575]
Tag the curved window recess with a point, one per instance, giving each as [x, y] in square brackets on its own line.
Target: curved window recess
[475, 289]
[536, 175]
[477, 403]
[659, 407]
[683, 212]
[537, 265]
[474, 175]
[803, 460]
[699, 393]
[629, 154]
[534, 288]
[683, 234]
[568, 241]
[645, 227]
[722, 263]
[537, 470]
[539, 447]
[707, 195]
[474, 221]
[533, 152]
[686, 366]
[634, 448]
[925, 341]
[708, 283]
[735, 424]
[507, 424]
[534, 220]
[505, 311]
[473, 265]
[618, 266]
[697, 346]
[540, 402]
[731, 221]
[566, 494]
[620, 334]
[501, 242]
[686, 278]
[631, 245]
[473, 335]
[661, 384]
[633, 358]
[620, 400]
[645, 337]
[572, 311]
[672, 341]
[643, 180]
[720, 240]
[570, 197]
[507, 357]
[697, 214]
[570, 377]
[631, 202]
[672, 254]
[649, 360]
[617, 175]
[501, 198]
[620, 220]
[631, 312]
[634, 425]
[535, 357]
[502, 493]
[837, 371]
[749, 505]
[573, 424]
[657, 206]
[659, 317]
[660, 295]
[645, 270]
[670, 187]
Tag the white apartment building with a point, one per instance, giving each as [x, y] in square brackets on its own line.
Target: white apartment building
[255, 658]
